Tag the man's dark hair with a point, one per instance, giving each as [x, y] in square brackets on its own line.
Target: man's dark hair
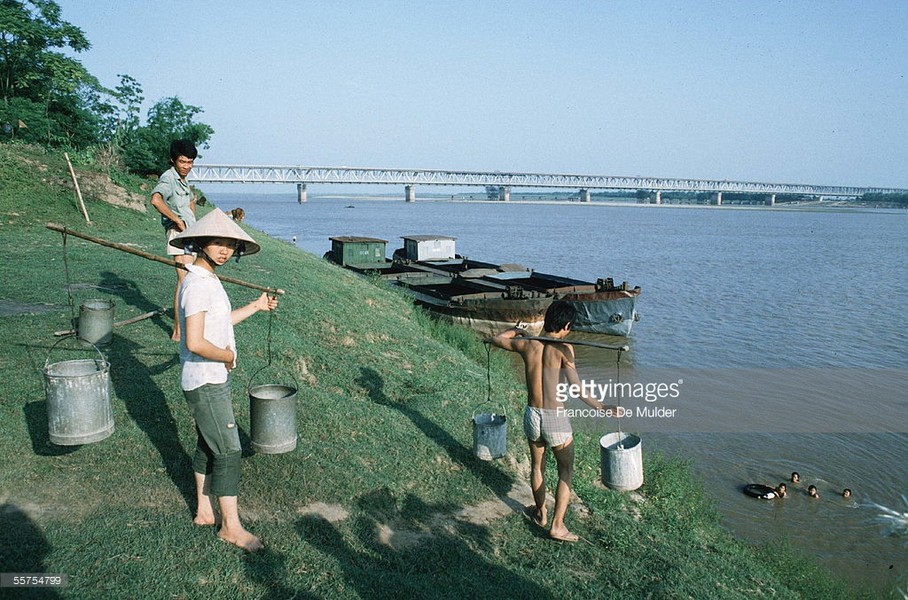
[183, 148]
[558, 316]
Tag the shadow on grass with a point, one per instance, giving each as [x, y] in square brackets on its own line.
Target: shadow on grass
[495, 479]
[147, 405]
[36, 420]
[404, 553]
[22, 549]
[269, 569]
[130, 295]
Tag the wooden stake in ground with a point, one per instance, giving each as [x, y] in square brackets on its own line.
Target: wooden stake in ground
[78, 191]
[156, 258]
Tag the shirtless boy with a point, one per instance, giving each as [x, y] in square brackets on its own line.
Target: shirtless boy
[544, 365]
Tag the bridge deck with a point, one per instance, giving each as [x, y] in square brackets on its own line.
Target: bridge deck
[412, 177]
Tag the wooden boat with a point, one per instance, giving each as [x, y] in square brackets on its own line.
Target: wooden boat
[486, 296]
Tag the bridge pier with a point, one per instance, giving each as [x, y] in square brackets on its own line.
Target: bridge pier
[301, 196]
[772, 200]
[584, 195]
[658, 196]
[410, 193]
[717, 200]
[504, 193]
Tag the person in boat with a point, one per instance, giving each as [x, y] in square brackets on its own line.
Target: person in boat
[812, 492]
[543, 427]
[173, 198]
[795, 478]
[207, 356]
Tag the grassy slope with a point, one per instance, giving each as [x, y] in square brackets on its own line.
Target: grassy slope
[384, 408]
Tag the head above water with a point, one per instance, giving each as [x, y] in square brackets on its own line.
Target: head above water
[795, 477]
[846, 493]
[559, 316]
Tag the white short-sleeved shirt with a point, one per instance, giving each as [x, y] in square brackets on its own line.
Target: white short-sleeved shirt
[202, 291]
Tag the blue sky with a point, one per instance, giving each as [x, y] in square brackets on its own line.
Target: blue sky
[798, 92]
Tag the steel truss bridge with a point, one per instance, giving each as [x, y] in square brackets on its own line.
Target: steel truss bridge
[410, 178]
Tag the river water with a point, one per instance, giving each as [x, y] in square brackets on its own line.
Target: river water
[784, 328]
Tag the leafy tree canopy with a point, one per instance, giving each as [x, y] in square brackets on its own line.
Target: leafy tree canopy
[47, 96]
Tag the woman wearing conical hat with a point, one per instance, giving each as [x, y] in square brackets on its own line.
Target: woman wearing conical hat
[207, 355]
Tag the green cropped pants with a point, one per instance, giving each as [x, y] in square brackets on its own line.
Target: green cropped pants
[218, 450]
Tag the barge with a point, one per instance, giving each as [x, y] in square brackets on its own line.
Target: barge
[487, 297]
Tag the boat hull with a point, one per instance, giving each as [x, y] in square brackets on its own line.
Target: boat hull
[489, 297]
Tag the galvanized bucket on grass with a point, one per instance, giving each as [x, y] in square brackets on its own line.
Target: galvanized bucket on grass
[78, 400]
[272, 416]
[490, 435]
[622, 461]
[96, 319]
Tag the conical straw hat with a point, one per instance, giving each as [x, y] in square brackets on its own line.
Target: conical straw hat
[216, 224]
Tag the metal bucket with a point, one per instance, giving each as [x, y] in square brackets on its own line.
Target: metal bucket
[272, 415]
[490, 436]
[96, 318]
[78, 401]
[622, 461]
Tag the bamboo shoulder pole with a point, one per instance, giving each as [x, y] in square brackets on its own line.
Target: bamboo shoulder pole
[156, 258]
[573, 342]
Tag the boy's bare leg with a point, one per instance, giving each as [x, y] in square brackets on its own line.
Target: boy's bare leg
[204, 514]
[537, 482]
[232, 530]
[564, 457]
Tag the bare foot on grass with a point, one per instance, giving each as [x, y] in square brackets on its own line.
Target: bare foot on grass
[242, 538]
[536, 516]
[562, 535]
[204, 519]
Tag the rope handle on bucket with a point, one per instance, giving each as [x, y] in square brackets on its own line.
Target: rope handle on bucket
[488, 399]
[260, 369]
[74, 337]
[268, 354]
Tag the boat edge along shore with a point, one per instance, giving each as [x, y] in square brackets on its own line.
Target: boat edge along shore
[486, 297]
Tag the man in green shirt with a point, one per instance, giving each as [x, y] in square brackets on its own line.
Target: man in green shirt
[173, 198]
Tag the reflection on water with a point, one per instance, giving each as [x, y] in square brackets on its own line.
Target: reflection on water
[774, 291]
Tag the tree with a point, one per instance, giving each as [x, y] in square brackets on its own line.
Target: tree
[39, 83]
[168, 119]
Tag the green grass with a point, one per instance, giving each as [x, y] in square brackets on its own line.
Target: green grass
[384, 405]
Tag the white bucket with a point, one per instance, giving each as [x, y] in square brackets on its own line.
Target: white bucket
[622, 461]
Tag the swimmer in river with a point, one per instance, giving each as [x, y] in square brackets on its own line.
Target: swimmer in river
[812, 492]
[795, 478]
[781, 490]
[846, 493]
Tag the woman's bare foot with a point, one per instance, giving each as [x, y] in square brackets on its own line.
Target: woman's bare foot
[204, 518]
[242, 538]
[562, 534]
